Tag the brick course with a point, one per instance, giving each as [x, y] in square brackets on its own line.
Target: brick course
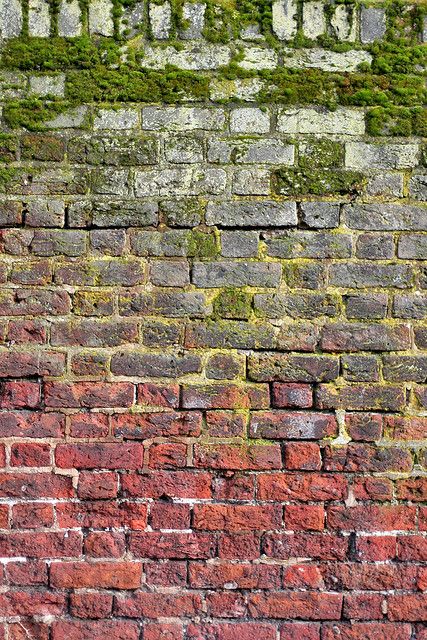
[213, 340]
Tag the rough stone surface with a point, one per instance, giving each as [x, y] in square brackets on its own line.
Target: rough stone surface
[213, 303]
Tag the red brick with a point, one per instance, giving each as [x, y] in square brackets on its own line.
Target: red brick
[364, 426]
[27, 573]
[235, 486]
[302, 545]
[308, 605]
[158, 605]
[376, 548]
[169, 484]
[102, 575]
[21, 394]
[172, 573]
[89, 394]
[408, 607]
[170, 516]
[366, 631]
[292, 394]
[302, 576]
[99, 455]
[172, 545]
[102, 514]
[32, 515]
[89, 425]
[303, 455]
[91, 605]
[237, 576]
[363, 606]
[405, 427]
[156, 395]
[97, 486]
[237, 631]
[304, 517]
[299, 486]
[31, 424]
[226, 604]
[301, 425]
[238, 457]
[26, 603]
[96, 630]
[163, 631]
[300, 631]
[102, 544]
[412, 548]
[28, 630]
[167, 455]
[30, 454]
[223, 517]
[225, 424]
[372, 518]
[41, 545]
[239, 546]
[228, 396]
[142, 426]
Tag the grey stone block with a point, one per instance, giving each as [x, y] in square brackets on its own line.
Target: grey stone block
[252, 214]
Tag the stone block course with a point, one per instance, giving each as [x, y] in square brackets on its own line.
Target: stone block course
[213, 302]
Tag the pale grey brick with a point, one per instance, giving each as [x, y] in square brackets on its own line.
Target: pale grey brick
[385, 184]
[236, 274]
[253, 181]
[412, 305]
[418, 187]
[48, 85]
[160, 16]
[180, 182]
[372, 24]
[69, 19]
[375, 246]
[10, 18]
[285, 18]
[309, 244]
[116, 119]
[320, 215]
[182, 118]
[101, 17]
[249, 120]
[385, 217]
[252, 214]
[239, 244]
[170, 273]
[194, 15]
[359, 276]
[313, 19]
[183, 150]
[361, 155]
[412, 246]
[319, 120]
[38, 18]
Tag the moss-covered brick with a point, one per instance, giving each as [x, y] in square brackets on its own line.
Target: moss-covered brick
[319, 182]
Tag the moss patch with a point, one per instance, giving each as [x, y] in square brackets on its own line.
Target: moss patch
[318, 182]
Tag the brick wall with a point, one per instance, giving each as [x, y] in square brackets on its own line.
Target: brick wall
[213, 398]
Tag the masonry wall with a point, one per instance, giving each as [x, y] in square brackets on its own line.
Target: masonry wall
[213, 398]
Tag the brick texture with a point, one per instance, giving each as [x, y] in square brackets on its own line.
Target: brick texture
[213, 338]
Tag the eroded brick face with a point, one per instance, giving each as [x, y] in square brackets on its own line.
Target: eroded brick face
[213, 338]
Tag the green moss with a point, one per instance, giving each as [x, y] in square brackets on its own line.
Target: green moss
[395, 121]
[321, 154]
[57, 54]
[7, 175]
[8, 147]
[31, 114]
[319, 182]
[202, 245]
[233, 303]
